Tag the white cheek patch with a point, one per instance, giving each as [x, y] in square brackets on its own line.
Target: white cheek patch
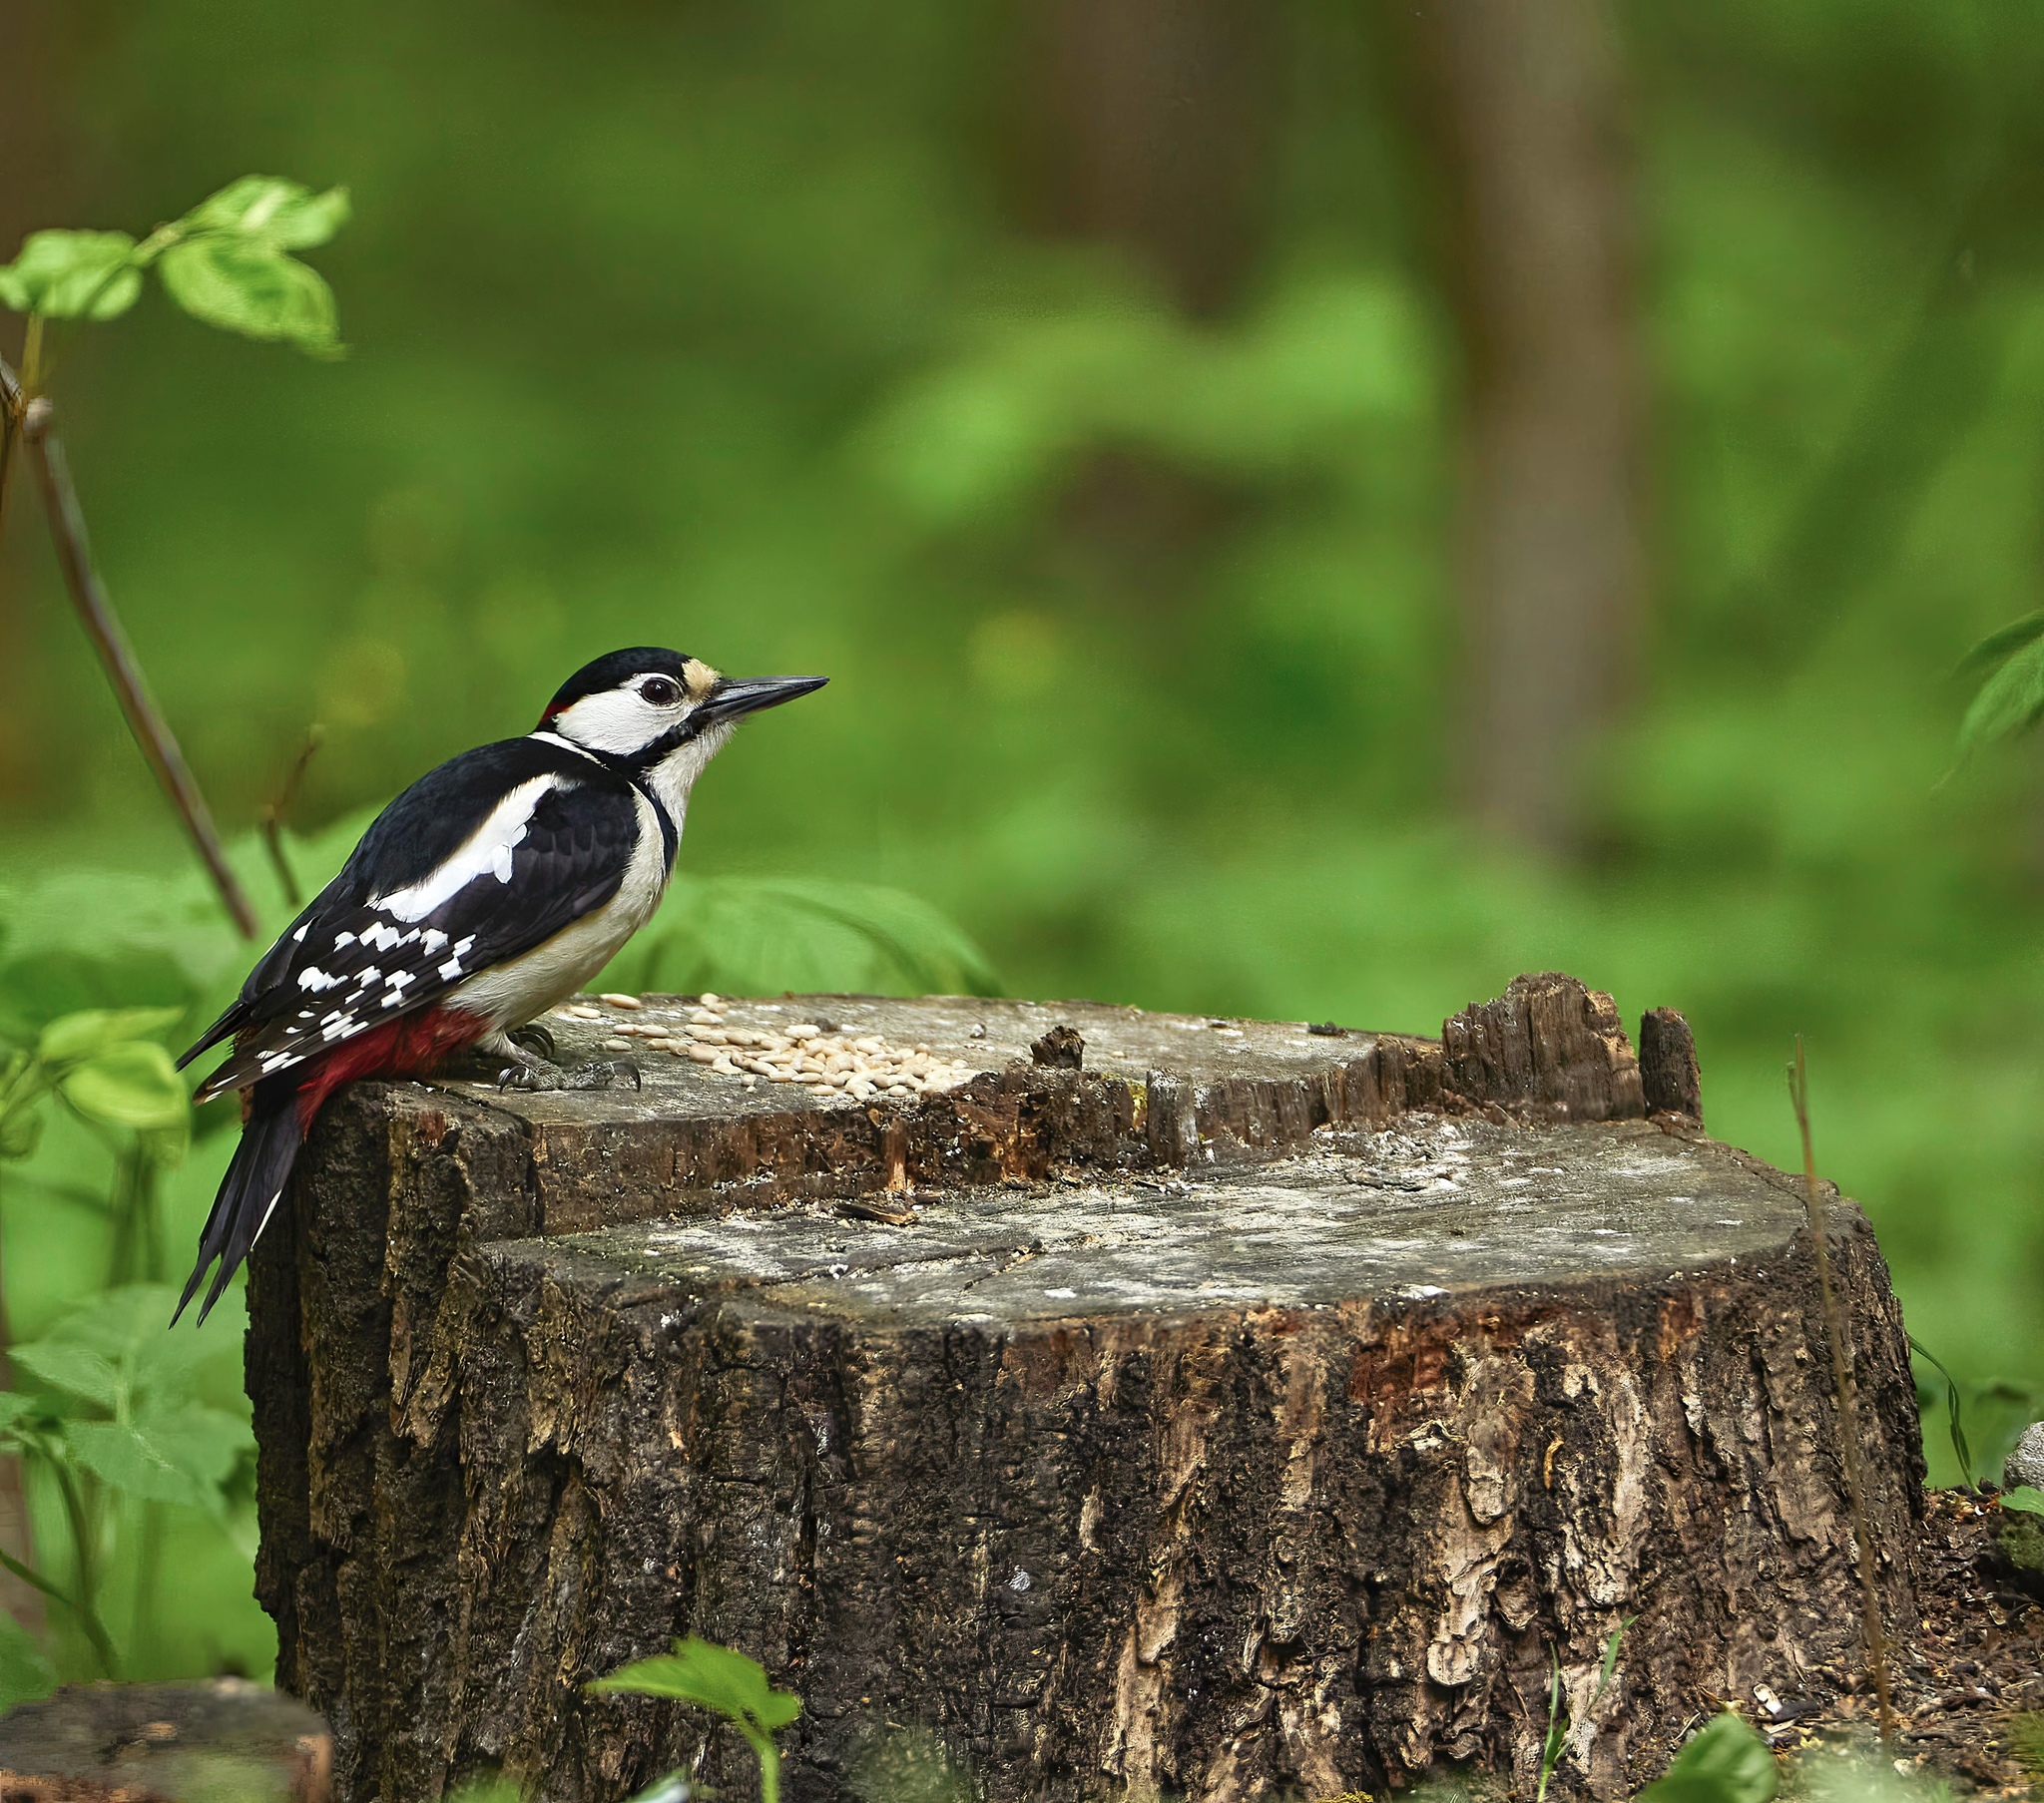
[619, 721]
[487, 851]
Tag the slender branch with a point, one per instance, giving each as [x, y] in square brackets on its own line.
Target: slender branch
[102, 626]
[1848, 1410]
[9, 431]
[88, 1618]
[17, 1525]
[278, 811]
[86, 1556]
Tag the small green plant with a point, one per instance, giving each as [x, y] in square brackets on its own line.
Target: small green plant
[747, 935]
[104, 1404]
[2010, 698]
[2026, 1740]
[1559, 1728]
[105, 1067]
[115, 1420]
[1725, 1762]
[228, 263]
[729, 1685]
[1956, 1409]
[1999, 1409]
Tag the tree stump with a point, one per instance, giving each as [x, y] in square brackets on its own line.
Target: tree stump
[164, 1743]
[1251, 1408]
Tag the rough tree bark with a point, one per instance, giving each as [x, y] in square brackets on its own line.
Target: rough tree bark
[1249, 1408]
[1523, 106]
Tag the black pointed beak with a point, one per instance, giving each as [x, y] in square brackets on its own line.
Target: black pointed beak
[736, 696]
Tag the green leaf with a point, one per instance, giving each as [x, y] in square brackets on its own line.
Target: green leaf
[1723, 1762]
[19, 1412]
[1956, 1409]
[133, 1085]
[72, 275]
[125, 1326]
[121, 1458]
[2010, 701]
[269, 210]
[244, 286]
[1998, 644]
[1612, 1642]
[760, 936]
[203, 1443]
[2026, 1497]
[26, 1675]
[20, 1132]
[76, 1370]
[712, 1676]
[175, 1454]
[93, 1031]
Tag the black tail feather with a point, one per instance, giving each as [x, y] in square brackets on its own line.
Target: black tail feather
[253, 1185]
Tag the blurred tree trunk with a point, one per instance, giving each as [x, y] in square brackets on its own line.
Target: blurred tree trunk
[1146, 125]
[1522, 107]
[30, 182]
[1150, 121]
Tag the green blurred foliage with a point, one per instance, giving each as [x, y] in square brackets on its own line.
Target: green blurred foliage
[714, 326]
[1725, 1762]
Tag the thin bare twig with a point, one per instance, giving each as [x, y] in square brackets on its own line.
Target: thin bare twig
[278, 811]
[35, 417]
[12, 388]
[1849, 1406]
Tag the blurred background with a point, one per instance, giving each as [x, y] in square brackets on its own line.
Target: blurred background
[1309, 509]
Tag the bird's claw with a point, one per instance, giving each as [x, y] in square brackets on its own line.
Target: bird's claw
[533, 1038]
[602, 1074]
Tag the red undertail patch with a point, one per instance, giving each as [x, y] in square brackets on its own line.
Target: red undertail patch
[411, 1046]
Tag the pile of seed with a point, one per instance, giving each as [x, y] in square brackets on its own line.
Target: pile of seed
[862, 1065]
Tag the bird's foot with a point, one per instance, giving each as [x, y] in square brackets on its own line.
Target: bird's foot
[534, 1037]
[537, 1074]
[604, 1074]
[523, 1060]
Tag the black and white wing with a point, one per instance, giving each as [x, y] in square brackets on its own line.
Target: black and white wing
[475, 864]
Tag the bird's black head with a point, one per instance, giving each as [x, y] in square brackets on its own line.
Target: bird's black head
[640, 705]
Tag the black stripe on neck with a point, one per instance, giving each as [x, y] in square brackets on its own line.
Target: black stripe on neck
[636, 766]
[670, 838]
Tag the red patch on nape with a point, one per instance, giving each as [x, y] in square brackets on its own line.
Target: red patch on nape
[411, 1046]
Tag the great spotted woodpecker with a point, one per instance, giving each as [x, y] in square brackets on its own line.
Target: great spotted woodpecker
[493, 888]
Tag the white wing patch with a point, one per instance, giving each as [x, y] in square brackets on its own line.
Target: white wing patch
[486, 852]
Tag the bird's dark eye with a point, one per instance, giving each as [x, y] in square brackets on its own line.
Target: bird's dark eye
[661, 691]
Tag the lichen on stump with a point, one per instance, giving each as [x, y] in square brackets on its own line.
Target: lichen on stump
[1244, 1408]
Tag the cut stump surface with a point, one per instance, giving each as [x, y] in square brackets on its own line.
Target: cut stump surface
[164, 1743]
[1246, 1409]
